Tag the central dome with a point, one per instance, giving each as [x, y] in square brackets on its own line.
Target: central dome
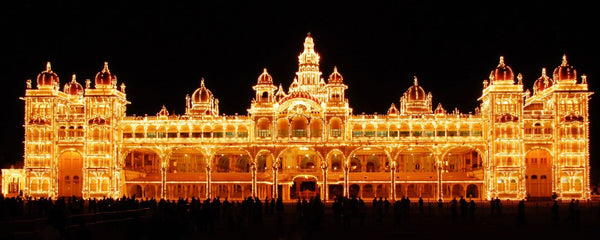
[202, 94]
[416, 92]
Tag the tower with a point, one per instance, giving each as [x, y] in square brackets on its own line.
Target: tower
[308, 78]
[502, 107]
[42, 106]
[570, 102]
[105, 107]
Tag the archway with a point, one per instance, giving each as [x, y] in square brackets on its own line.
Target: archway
[472, 191]
[539, 174]
[458, 190]
[354, 190]
[70, 173]
[304, 187]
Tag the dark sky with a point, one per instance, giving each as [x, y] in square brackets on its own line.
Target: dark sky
[162, 50]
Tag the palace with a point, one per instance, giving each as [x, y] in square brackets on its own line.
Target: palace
[306, 141]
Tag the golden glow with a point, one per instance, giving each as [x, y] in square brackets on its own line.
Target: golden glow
[307, 141]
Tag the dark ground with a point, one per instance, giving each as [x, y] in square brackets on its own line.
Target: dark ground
[431, 223]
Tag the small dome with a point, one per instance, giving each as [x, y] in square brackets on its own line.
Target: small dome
[542, 82]
[335, 77]
[104, 78]
[47, 78]
[392, 110]
[265, 78]
[564, 71]
[73, 87]
[416, 92]
[502, 72]
[202, 94]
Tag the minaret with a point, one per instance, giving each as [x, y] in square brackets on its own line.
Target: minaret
[308, 74]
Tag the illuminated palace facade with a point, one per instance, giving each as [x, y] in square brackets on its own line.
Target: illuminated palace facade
[307, 142]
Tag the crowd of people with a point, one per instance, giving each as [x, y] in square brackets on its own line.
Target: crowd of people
[202, 215]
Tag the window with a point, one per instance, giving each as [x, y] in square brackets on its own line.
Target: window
[543, 177]
[464, 133]
[393, 133]
[336, 132]
[404, 133]
[370, 133]
[264, 133]
[441, 133]
[417, 133]
[382, 133]
[151, 134]
[172, 135]
[357, 133]
[428, 133]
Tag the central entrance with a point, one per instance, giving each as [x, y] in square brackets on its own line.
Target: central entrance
[304, 187]
[70, 172]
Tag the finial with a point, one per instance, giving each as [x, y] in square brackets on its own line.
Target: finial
[88, 83]
[28, 83]
[122, 87]
[308, 34]
[564, 60]
[501, 61]
[48, 67]
[202, 82]
[543, 72]
[584, 79]
[416, 82]
[335, 69]
[105, 69]
[520, 78]
[73, 78]
[264, 70]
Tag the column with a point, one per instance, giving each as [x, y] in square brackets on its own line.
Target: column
[253, 169]
[163, 182]
[275, 187]
[393, 182]
[346, 183]
[325, 194]
[208, 181]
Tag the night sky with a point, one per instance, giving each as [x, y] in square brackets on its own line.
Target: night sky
[162, 50]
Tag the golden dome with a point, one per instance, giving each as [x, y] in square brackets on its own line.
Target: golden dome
[335, 77]
[73, 87]
[104, 78]
[564, 71]
[47, 78]
[542, 82]
[202, 94]
[265, 78]
[502, 72]
[416, 92]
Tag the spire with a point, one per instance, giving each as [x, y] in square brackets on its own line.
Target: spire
[48, 67]
[73, 78]
[544, 73]
[520, 79]
[564, 60]
[202, 83]
[501, 64]
[105, 69]
[416, 81]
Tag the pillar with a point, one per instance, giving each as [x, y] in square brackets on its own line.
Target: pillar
[325, 194]
[393, 182]
[163, 182]
[253, 169]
